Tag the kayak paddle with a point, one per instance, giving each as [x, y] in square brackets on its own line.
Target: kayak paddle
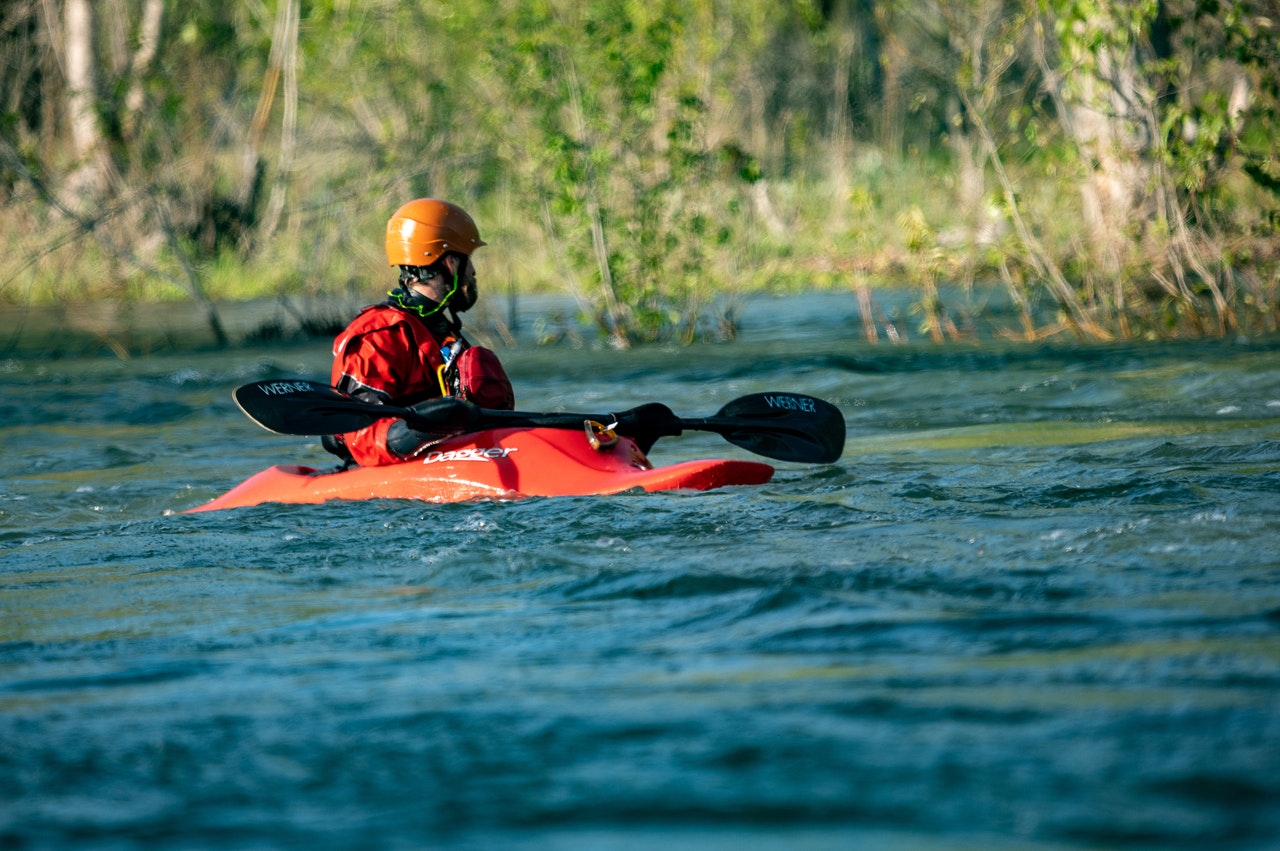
[784, 426]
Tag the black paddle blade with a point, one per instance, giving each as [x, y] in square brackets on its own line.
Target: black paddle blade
[305, 407]
[785, 426]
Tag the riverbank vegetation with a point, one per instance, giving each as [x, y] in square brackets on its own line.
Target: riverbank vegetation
[1115, 167]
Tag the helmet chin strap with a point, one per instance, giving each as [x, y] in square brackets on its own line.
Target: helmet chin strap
[424, 305]
[407, 298]
[456, 292]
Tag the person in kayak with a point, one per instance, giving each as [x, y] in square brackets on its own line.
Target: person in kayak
[409, 350]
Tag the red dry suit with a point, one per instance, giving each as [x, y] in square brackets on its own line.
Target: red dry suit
[393, 357]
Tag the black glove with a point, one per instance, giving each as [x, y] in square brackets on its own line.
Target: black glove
[432, 420]
[647, 423]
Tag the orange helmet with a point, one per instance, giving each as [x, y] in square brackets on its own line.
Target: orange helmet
[420, 232]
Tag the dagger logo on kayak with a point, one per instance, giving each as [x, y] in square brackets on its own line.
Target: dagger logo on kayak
[469, 454]
[803, 404]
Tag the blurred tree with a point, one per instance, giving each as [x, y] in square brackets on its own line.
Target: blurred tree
[660, 151]
[1163, 102]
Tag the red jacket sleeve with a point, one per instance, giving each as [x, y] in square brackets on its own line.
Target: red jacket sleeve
[376, 361]
[369, 445]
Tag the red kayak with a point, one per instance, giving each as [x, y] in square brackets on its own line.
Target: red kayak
[502, 463]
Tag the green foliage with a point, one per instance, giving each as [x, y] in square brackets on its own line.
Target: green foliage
[613, 142]
[659, 158]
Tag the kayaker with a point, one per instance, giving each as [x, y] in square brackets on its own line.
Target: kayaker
[409, 350]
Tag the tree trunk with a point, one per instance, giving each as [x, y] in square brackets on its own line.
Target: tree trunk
[148, 44]
[1108, 130]
[86, 176]
[284, 55]
[1106, 105]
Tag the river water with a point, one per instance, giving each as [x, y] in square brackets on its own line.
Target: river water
[1036, 605]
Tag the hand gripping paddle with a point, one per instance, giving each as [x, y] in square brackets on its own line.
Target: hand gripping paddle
[783, 426]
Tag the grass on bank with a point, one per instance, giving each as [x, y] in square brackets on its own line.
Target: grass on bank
[882, 223]
[817, 232]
